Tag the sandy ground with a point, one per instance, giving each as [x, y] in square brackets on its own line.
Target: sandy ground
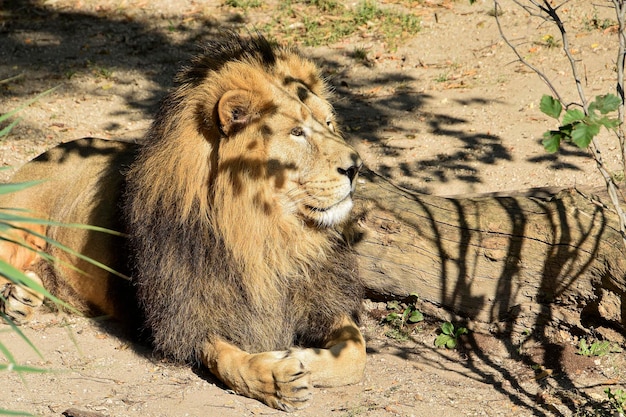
[448, 112]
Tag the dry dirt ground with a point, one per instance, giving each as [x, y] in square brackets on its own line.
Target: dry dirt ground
[448, 112]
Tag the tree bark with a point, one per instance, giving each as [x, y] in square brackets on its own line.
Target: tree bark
[506, 264]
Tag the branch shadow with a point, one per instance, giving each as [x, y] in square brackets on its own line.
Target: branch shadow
[563, 257]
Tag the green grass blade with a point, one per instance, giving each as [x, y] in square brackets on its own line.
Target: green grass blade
[4, 412]
[21, 368]
[7, 217]
[10, 79]
[28, 103]
[7, 354]
[21, 334]
[10, 127]
[69, 250]
[13, 187]
[18, 277]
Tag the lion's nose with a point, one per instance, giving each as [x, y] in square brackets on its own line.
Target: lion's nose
[352, 171]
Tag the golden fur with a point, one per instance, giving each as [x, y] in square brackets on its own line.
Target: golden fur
[234, 206]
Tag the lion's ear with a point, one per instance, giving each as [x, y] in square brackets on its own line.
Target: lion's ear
[235, 110]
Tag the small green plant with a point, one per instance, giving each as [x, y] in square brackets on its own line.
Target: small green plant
[442, 78]
[597, 348]
[596, 23]
[550, 41]
[401, 317]
[324, 5]
[576, 126]
[617, 400]
[449, 336]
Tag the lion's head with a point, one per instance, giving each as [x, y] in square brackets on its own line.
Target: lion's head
[243, 177]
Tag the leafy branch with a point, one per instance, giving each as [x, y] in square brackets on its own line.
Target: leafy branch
[583, 120]
[576, 126]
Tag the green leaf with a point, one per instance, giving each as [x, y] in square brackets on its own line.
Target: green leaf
[451, 343]
[552, 141]
[573, 115]
[391, 317]
[442, 340]
[447, 328]
[550, 106]
[416, 317]
[582, 134]
[607, 103]
[393, 305]
[608, 123]
[460, 331]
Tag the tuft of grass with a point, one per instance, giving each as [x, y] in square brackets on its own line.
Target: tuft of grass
[243, 4]
[360, 54]
[617, 400]
[11, 219]
[597, 348]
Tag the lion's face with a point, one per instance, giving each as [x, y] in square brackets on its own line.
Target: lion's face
[288, 135]
[319, 168]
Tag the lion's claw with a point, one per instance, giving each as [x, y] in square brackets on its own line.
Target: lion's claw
[283, 381]
[19, 303]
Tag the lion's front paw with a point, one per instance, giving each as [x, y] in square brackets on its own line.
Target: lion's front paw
[280, 380]
[19, 303]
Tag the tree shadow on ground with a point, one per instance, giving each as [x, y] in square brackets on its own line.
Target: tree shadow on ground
[53, 46]
[512, 263]
[49, 44]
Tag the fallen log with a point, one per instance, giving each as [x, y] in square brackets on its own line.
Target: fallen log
[505, 264]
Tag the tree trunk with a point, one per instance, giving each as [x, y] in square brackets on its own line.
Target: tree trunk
[512, 263]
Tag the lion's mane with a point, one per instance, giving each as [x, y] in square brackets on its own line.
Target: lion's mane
[208, 263]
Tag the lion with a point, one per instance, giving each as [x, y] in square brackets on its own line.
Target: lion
[233, 208]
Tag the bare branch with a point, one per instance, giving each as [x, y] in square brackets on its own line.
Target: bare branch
[620, 10]
[611, 187]
[556, 19]
[544, 78]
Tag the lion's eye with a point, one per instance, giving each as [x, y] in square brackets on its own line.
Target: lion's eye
[330, 124]
[297, 131]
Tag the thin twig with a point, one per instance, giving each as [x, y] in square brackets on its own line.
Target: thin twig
[610, 186]
[620, 11]
[556, 19]
[546, 80]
